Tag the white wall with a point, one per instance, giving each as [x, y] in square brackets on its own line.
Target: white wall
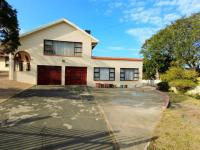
[2, 64]
[33, 44]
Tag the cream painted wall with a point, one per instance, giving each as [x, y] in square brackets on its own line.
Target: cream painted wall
[33, 44]
[2, 65]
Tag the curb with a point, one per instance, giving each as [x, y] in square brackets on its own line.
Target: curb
[166, 99]
[164, 107]
[16, 94]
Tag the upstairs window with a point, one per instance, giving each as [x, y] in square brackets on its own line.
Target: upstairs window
[62, 48]
[104, 74]
[129, 74]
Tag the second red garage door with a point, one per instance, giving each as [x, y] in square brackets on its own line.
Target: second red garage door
[75, 75]
[49, 75]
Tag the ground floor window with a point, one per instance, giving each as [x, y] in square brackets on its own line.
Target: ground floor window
[129, 74]
[6, 61]
[104, 74]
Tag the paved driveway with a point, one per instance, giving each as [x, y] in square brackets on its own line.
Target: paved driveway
[69, 118]
[9, 88]
[53, 118]
[131, 113]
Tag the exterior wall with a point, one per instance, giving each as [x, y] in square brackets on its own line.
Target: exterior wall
[117, 64]
[2, 65]
[34, 45]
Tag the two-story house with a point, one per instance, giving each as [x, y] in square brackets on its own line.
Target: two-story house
[60, 53]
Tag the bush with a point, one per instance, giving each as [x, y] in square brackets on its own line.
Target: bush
[181, 79]
[182, 84]
[163, 86]
[197, 96]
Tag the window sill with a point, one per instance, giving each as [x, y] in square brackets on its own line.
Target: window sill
[61, 55]
[104, 80]
[129, 80]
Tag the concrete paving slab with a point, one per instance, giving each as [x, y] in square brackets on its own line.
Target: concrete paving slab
[50, 117]
[133, 113]
[9, 88]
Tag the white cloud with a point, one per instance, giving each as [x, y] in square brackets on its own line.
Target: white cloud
[141, 33]
[187, 7]
[142, 15]
[166, 3]
[120, 48]
[170, 17]
[183, 7]
[152, 14]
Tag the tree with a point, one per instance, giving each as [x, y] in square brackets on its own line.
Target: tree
[9, 30]
[177, 44]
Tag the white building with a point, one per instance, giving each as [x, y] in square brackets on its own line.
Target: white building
[60, 53]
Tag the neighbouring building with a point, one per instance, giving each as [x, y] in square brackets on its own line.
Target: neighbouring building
[4, 62]
[60, 53]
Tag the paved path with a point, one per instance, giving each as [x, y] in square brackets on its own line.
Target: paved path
[53, 118]
[132, 113]
[9, 88]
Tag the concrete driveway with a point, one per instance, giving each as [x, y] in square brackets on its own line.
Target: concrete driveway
[131, 113]
[9, 88]
[53, 118]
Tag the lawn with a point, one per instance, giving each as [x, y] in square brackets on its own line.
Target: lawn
[179, 128]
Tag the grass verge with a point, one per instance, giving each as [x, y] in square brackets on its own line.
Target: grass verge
[179, 128]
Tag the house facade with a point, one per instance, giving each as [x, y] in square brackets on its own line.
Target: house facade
[61, 54]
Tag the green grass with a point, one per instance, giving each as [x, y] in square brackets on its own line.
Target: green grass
[179, 128]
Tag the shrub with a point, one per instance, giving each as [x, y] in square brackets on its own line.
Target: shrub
[191, 75]
[163, 86]
[179, 73]
[173, 73]
[182, 84]
[197, 96]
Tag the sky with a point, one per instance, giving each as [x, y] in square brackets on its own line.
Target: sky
[120, 25]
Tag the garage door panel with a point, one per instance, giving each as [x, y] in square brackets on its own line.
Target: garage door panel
[49, 75]
[75, 75]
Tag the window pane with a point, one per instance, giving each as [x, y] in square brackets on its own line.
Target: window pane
[96, 74]
[96, 79]
[96, 69]
[47, 42]
[136, 70]
[112, 79]
[104, 74]
[68, 49]
[112, 70]
[78, 50]
[129, 74]
[78, 44]
[112, 75]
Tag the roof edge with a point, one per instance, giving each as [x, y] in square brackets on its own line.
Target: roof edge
[117, 58]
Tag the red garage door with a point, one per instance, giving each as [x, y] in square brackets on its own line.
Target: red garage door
[75, 75]
[49, 75]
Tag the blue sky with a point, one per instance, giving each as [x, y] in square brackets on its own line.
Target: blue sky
[120, 25]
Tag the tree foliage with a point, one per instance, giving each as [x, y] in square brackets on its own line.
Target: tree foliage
[177, 44]
[180, 78]
[9, 30]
